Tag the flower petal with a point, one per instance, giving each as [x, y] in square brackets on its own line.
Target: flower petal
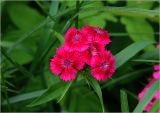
[68, 74]
[56, 65]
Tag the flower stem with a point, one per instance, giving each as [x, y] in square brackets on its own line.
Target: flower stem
[6, 94]
[77, 10]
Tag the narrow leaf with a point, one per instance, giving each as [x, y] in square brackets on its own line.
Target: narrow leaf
[147, 97]
[97, 89]
[23, 97]
[146, 60]
[65, 91]
[155, 107]
[53, 92]
[58, 36]
[124, 55]
[125, 77]
[124, 101]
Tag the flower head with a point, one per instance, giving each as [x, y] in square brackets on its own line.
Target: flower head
[66, 64]
[103, 66]
[75, 40]
[156, 74]
[96, 34]
[80, 47]
[92, 52]
[158, 45]
[154, 99]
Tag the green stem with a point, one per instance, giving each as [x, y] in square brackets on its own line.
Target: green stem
[77, 10]
[6, 95]
[44, 11]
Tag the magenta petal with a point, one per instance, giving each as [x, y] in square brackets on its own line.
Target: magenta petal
[98, 74]
[68, 74]
[56, 65]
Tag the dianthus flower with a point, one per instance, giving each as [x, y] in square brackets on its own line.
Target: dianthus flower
[97, 40]
[103, 67]
[66, 64]
[96, 34]
[156, 76]
[158, 45]
[92, 52]
[75, 40]
[80, 47]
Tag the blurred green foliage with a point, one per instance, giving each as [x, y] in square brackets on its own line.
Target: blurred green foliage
[33, 30]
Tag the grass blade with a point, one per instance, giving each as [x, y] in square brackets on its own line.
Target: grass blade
[125, 11]
[147, 97]
[65, 91]
[53, 92]
[124, 55]
[23, 97]
[125, 77]
[155, 107]
[95, 85]
[58, 36]
[23, 70]
[146, 60]
[124, 101]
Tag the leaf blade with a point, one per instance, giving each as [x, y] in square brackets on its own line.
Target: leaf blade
[147, 97]
[124, 101]
[23, 97]
[124, 55]
[53, 92]
[65, 91]
[97, 89]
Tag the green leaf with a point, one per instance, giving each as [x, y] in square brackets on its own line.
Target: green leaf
[23, 70]
[81, 102]
[53, 92]
[23, 16]
[65, 91]
[112, 1]
[58, 36]
[129, 12]
[97, 89]
[153, 54]
[23, 97]
[140, 4]
[21, 56]
[126, 77]
[146, 60]
[136, 25]
[155, 107]
[124, 55]
[94, 18]
[153, 89]
[124, 101]
[44, 42]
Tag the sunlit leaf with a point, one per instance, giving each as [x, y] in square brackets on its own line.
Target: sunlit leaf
[153, 89]
[124, 55]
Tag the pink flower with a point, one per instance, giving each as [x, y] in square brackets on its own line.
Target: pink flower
[154, 99]
[92, 52]
[145, 89]
[103, 66]
[156, 74]
[66, 64]
[75, 40]
[96, 34]
[80, 47]
[158, 45]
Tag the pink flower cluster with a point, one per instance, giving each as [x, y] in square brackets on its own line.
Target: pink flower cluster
[156, 76]
[86, 46]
